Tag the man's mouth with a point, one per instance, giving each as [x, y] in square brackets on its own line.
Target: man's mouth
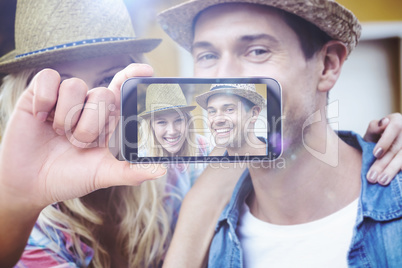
[221, 132]
[172, 141]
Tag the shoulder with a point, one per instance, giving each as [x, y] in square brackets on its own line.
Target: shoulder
[203, 144]
[51, 247]
[242, 189]
[201, 140]
[377, 202]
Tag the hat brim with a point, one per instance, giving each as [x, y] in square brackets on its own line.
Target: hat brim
[147, 114]
[9, 63]
[332, 18]
[252, 96]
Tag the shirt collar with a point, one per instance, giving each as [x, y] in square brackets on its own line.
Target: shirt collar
[378, 202]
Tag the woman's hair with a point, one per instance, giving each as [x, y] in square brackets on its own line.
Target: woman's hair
[142, 220]
[149, 143]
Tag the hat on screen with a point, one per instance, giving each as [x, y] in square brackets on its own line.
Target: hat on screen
[332, 18]
[164, 98]
[55, 31]
[246, 91]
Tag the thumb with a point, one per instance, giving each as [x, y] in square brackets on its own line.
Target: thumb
[375, 129]
[132, 70]
[118, 173]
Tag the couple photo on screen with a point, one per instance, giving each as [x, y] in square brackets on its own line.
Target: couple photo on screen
[227, 119]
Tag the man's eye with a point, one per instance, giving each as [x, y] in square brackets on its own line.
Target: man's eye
[179, 121]
[205, 59]
[161, 123]
[230, 110]
[209, 56]
[211, 112]
[258, 54]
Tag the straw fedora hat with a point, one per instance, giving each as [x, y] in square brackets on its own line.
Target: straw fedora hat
[246, 91]
[332, 18]
[164, 97]
[55, 31]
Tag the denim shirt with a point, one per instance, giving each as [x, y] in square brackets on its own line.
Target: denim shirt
[377, 234]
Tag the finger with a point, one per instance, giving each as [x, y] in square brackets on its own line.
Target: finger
[373, 132]
[132, 70]
[70, 102]
[114, 173]
[378, 167]
[94, 118]
[45, 86]
[391, 170]
[391, 138]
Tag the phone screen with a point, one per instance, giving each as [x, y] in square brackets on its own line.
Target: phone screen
[201, 120]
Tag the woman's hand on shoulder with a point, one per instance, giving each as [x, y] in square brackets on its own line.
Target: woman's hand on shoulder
[387, 132]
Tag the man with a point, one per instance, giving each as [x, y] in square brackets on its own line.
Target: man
[309, 214]
[233, 110]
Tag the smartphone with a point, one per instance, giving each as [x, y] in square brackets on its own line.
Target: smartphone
[200, 120]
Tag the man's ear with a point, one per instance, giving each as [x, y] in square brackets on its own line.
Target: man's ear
[334, 55]
[255, 112]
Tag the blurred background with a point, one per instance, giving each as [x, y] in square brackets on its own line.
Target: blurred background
[370, 84]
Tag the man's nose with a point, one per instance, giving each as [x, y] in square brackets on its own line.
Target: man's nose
[228, 66]
[219, 119]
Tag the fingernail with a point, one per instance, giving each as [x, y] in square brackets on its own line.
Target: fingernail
[383, 121]
[383, 179]
[378, 152]
[160, 176]
[42, 116]
[372, 176]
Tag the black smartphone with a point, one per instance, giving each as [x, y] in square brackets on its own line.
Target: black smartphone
[190, 120]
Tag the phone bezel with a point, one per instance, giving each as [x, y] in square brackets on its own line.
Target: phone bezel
[129, 88]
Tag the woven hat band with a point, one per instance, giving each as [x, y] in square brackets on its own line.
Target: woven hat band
[74, 44]
[219, 87]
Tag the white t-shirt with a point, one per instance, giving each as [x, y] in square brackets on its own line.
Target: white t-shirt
[321, 243]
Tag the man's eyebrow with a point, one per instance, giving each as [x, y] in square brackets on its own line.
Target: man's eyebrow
[225, 106]
[244, 38]
[250, 38]
[201, 44]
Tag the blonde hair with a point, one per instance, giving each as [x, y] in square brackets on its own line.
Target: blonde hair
[144, 222]
[149, 143]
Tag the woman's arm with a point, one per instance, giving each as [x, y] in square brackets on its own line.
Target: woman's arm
[39, 167]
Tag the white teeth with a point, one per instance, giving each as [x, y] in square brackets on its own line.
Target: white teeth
[223, 130]
[172, 140]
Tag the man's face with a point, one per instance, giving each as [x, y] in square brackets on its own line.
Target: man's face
[243, 40]
[228, 120]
